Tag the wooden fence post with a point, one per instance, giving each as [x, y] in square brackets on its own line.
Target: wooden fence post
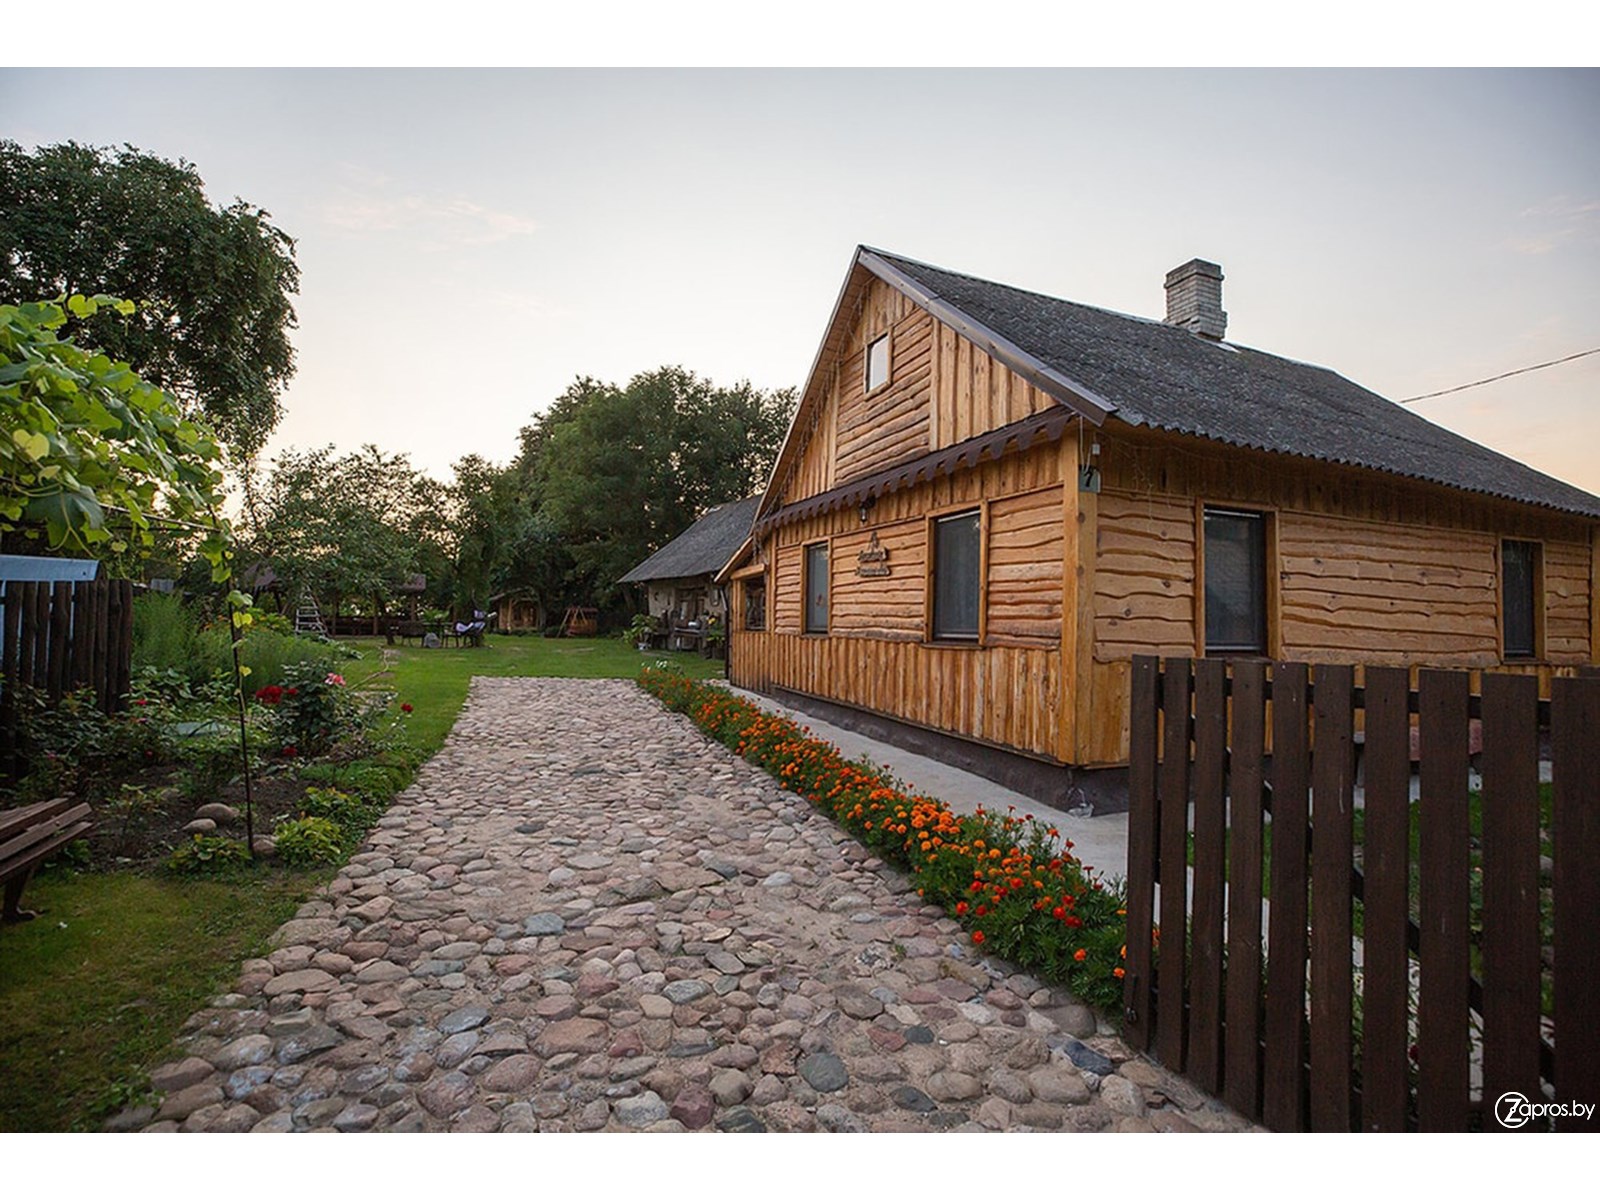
[1332, 842]
[1171, 991]
[1142, 844]
[1443, 1046]
[1283, 1104]
[1210, 868]
[1385, 902]
[1575, 834]
[1242, 1074]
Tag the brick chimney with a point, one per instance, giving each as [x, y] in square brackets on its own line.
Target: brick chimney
[1194, 299]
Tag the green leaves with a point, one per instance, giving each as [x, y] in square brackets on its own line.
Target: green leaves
[81, 435]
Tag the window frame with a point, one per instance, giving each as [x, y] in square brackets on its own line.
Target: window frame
[933, 635]
[1537, 599]
[746, 584]
[1268, 584]
[887, 340]
[806, 549]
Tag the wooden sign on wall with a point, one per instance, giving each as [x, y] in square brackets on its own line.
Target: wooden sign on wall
[874, 560]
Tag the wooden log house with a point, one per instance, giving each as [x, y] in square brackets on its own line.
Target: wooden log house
[990, 500]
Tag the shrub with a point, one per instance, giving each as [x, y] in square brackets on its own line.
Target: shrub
[201, 854]
[209, 765]
[312, 710]
[308, 840]
[1013, 884]
[268, 654]
[74, 747]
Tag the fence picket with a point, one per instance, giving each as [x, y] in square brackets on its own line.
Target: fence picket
[82, 647]
[1386, 982]
[60, 639]
[11, 614]
[1575, 834]
[1173, 783]
[1443, 1048]
[1332, 841]
[25, 593]
[1283, 1100]
[1242, 1074]
[1143, 815]
[1510, 888]
[1210, 866]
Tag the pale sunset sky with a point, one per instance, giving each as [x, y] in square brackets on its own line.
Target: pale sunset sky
[473, 240]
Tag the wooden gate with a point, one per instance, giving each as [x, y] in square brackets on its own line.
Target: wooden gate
[1416, 961]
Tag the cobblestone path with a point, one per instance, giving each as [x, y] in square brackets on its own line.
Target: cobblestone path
[584, 915]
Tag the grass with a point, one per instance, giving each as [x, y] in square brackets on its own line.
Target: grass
[435, 682]
[97, 988]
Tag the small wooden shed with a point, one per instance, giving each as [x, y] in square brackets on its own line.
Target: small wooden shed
[679, 579]
[990, 500]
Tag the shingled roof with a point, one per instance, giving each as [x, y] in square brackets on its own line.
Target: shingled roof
[703, 548]
[1145, 372]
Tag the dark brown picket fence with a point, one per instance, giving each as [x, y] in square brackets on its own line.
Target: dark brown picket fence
[1254, 768]
[57, 638]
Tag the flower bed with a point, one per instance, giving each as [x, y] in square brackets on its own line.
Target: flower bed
[1011, 882]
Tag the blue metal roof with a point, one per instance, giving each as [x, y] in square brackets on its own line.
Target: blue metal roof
[30, 568]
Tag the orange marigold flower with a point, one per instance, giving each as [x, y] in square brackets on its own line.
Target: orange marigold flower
[1118, 972]
[961, 908]
[1080, 954]
[977, 936]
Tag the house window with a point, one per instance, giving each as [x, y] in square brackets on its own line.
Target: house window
[1519, 607]
[878, 362]
[1236, 582]
[957, 558]
[816, 581]
[755, 603]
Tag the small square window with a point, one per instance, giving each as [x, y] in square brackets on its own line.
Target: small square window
[1236, 582]
[1519, 584]
[957, 559]
[816, 581]
[877, 362]
[755, 603]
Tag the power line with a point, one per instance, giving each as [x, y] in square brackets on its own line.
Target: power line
[1507, 375]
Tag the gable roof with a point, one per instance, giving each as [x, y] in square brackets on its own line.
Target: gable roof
[1101, 364]
[1150, 373]
[702, 549]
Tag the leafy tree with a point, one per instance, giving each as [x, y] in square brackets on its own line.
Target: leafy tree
[622, 471]
[91, 455]
[353, 526]
[213, 284]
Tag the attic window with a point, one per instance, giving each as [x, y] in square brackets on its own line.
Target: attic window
[877, 362]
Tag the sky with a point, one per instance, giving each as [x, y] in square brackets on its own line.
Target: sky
[472, 241]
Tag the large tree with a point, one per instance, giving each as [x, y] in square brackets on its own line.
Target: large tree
[619, 472]
[212, 285]
[355, 526]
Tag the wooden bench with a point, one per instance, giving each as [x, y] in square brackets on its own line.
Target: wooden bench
[28, 836]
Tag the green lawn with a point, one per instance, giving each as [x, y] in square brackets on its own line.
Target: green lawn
[95, 990]
[435, 682]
